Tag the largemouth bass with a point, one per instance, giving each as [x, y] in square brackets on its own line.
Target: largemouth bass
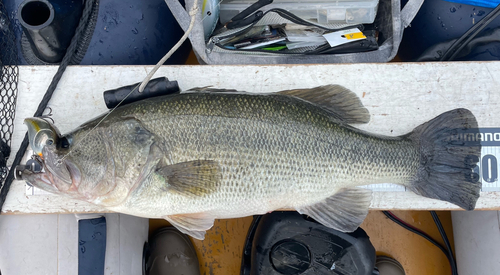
[202, 155]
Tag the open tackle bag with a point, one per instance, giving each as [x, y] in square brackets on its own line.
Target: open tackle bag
[389, 24]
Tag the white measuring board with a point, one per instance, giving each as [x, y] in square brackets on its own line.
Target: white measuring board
[34, 191]
[489, 173]
[399, 97]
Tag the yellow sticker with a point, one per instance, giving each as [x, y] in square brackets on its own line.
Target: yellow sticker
[356, 35]
[343, 36]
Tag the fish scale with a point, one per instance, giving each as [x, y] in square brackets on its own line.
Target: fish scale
[193, 157]
[288, 159]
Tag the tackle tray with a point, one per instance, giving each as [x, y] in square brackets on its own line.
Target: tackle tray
[321, 11]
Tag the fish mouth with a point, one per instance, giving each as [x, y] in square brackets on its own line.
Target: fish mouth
[40, 180]
[58, 175]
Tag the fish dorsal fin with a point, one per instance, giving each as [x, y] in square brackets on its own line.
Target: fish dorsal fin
[339, 101]
[209, 89]
[191, 178]
[344, 211]
[195, 225]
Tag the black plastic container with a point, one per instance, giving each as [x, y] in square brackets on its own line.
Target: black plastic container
[288, 243]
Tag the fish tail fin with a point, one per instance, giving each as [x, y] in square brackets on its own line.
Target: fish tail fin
[446, 167]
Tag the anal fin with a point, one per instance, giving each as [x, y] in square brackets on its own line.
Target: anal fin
[194, 225]
[339, 101]
[344, 211]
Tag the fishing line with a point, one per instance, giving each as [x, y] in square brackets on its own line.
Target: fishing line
[142, 85]
[192, 13]
[93, 128]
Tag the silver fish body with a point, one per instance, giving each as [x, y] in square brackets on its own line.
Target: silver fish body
[194, 157]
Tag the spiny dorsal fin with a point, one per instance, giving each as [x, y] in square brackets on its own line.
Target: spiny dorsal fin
[198, 177]
[344, 211]
[210, 89]
[340, 101]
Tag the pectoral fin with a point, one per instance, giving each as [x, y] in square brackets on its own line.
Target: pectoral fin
[195, 225]
[198, 177]
[344, 211]
[341, 102]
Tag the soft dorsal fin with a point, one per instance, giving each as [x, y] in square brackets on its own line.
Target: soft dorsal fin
[340, 101]
[344, 211]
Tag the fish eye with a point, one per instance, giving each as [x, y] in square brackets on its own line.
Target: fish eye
[49, 141]
[65, 142]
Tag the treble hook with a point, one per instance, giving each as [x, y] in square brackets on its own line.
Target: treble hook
[48, 116]
[50, 111]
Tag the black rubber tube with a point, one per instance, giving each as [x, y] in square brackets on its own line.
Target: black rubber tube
[155, 87]
[49, 26]
[440, 228]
